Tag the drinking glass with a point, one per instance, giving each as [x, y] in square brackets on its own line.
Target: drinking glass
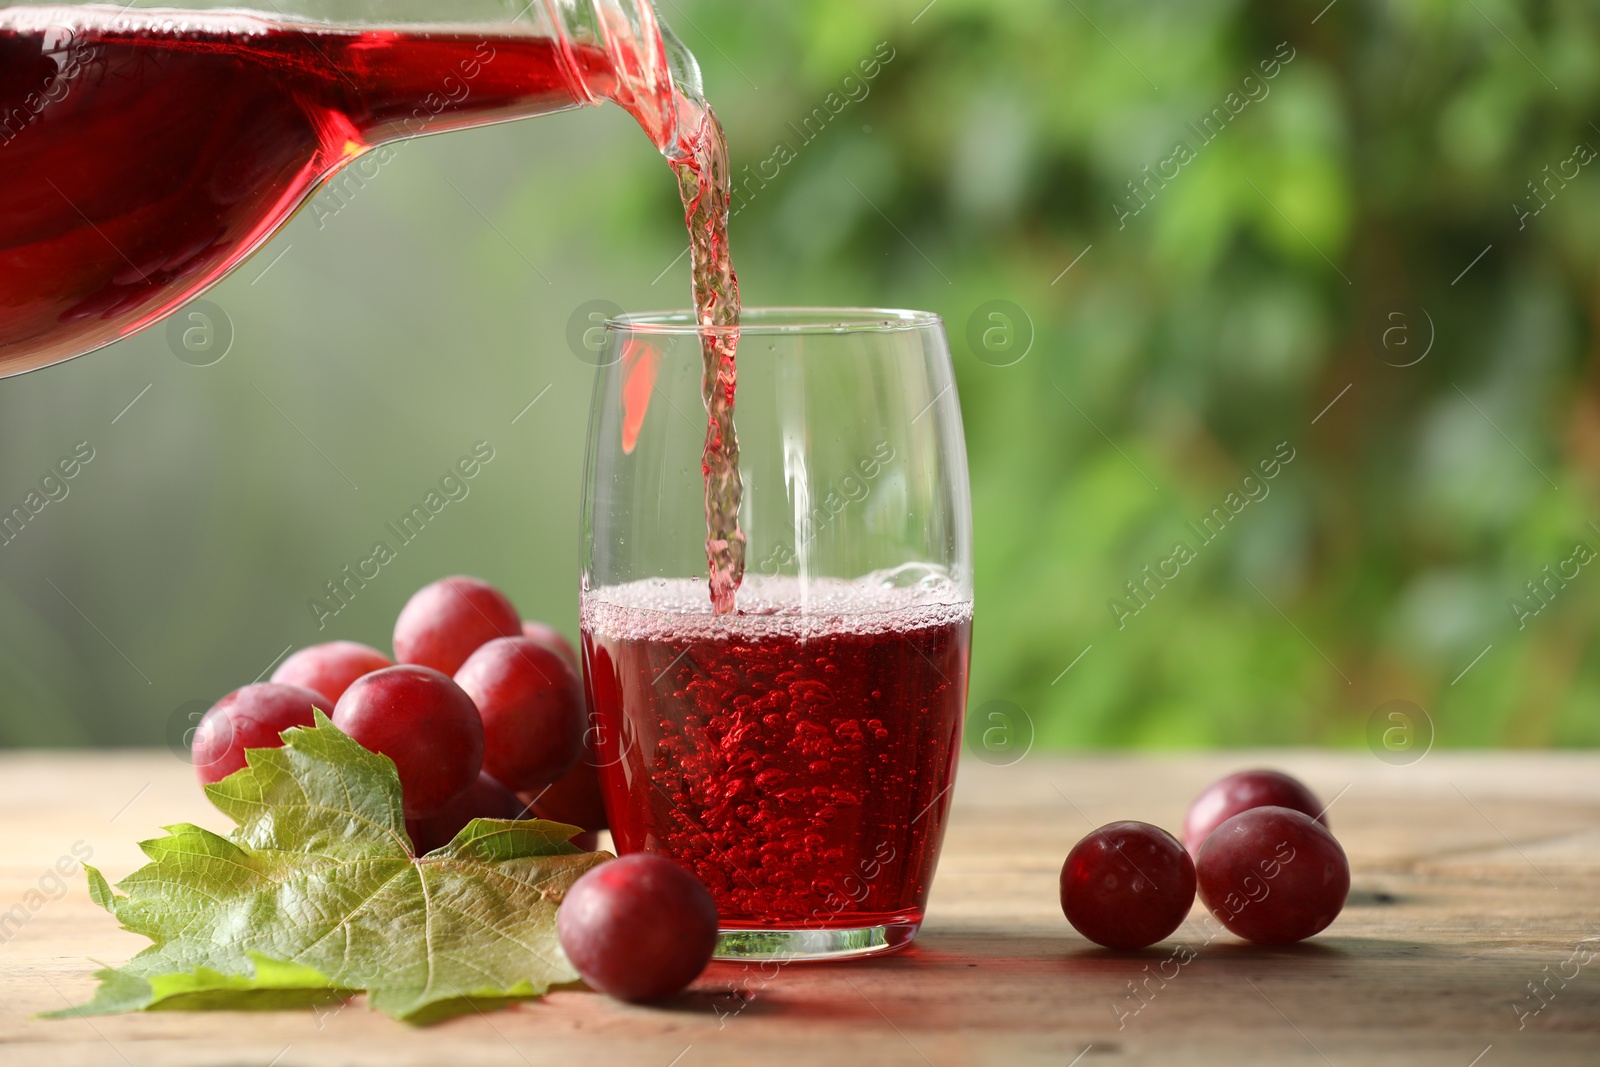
[797, 754]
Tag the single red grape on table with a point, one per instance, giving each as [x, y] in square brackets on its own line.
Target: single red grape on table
[330, 668]
[1273, 875]
[639, 928]
[484, 799]
[1127, 885]
[532, 707]
[551, 638]
[443, 623]
[252, 717]
[422, 721]
[1227, 797]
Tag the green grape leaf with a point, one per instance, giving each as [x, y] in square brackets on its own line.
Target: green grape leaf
[317, 892]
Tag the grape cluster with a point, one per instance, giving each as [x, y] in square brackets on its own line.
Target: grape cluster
[1256, 848]
[483, 716]
[476, 707]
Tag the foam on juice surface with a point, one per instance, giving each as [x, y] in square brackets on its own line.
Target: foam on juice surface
[777, 606]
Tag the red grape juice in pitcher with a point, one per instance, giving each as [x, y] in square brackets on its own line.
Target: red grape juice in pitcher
[146, 152]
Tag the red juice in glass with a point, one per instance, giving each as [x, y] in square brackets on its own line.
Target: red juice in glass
[799, 762]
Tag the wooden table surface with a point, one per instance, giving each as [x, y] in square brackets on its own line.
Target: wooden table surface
[1475, 878]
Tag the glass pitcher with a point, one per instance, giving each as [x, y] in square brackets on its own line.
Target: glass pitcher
[147, 150]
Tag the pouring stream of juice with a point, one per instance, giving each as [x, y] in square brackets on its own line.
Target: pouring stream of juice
[144, 154]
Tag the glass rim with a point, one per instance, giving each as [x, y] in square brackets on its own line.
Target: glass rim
[781, 320]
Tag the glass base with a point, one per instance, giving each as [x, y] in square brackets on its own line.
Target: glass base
[791, 946]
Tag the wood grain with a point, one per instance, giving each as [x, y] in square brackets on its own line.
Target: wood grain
[1474, 876]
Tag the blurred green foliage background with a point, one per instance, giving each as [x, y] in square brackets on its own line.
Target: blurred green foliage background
[1442, 458]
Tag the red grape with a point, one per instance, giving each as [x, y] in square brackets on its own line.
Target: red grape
[1127, 885]
[484, 799]
[576, 800]
[330, 668]
[424, 722]
[1227, 797]
[551, 638]
[588, 841]
[532, 708]
[639, 928]
[1273, 875]
[252, 717]
[444, 623]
